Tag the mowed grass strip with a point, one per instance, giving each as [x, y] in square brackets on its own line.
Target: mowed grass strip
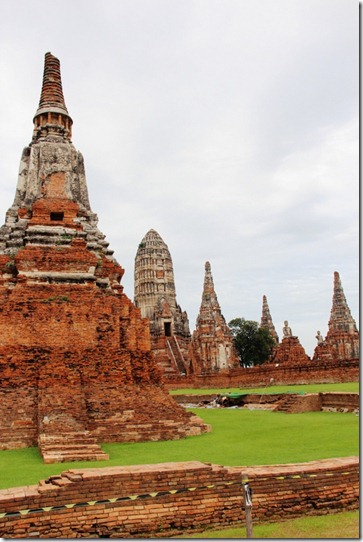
[347, 387]
[343, 525]
[239, 437]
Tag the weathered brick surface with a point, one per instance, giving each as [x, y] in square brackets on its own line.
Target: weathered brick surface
[268, 374]
[290, 350]
[342, 402]
[174, 497]
[155, 296]
[333, 401]
[212, 348]
[342, 340]
[266, 320]
[74, 351]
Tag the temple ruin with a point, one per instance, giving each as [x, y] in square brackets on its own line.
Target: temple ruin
[155, 296]
[342, 339]
[75, 358]
[212, 347]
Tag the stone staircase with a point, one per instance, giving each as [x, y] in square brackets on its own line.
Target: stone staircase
[176, 354]
[286, 404]
[70, 446]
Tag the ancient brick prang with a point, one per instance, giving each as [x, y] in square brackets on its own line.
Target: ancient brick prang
[266, 320]
[212, 343]
[267, 323]
[342, 339]
[155, 296]
[75, 357]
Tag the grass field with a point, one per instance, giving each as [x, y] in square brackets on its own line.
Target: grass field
[239, 437]
[351, 387]
[342, 525]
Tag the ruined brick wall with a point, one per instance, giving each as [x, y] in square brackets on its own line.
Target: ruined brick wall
[332, 401]
[342, 402]
[260, 376]
[318, 487]
[162, 500]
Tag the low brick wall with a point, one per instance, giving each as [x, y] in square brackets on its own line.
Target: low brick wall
[309, 402]
[342, 402]
[148, 501]
[315, 488]
[284, 374]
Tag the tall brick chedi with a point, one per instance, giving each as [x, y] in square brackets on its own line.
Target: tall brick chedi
[75, 360]
[342, 339]
[155, 296]
[212, 347]
[266, 320]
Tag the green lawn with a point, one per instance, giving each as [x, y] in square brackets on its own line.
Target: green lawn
[239, 437]
[351, 387]
[342, 525]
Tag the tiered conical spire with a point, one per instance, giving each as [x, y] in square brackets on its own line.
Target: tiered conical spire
[342, 340]
[52, 188]
[154, 274]
[266, 320]
[212, 344]
[155, 296]
[52, 115]
[209, 296]
[52, 91]
[340, 317]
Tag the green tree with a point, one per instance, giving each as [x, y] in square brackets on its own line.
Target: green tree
[253, 343]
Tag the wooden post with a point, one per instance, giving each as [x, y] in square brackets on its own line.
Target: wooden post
[247, 494]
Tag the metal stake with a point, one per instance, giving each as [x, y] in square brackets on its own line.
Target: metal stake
[247, 494]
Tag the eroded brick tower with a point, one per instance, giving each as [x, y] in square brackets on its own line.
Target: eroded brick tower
[212, 347]
[155, 296]
[342, 339]
[75, 360]
[266, 320]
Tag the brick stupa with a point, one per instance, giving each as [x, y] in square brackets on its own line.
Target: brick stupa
[212, 347]
[155, 296]
[342, 339]
[290, 349]
[75, 360]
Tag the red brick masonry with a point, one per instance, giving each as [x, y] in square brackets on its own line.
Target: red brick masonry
[161, 500]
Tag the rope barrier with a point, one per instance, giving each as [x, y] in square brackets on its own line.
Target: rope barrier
[154, 494]
[113, 500]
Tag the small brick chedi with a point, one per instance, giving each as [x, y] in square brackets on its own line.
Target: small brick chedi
[75, 359]
[212, 347]
[290, 349]
[155, 296]
[342, 339]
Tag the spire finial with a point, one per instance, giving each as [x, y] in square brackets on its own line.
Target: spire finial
[52, 116]
[52, 92]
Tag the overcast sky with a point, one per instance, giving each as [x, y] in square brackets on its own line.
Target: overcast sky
[229, 126]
